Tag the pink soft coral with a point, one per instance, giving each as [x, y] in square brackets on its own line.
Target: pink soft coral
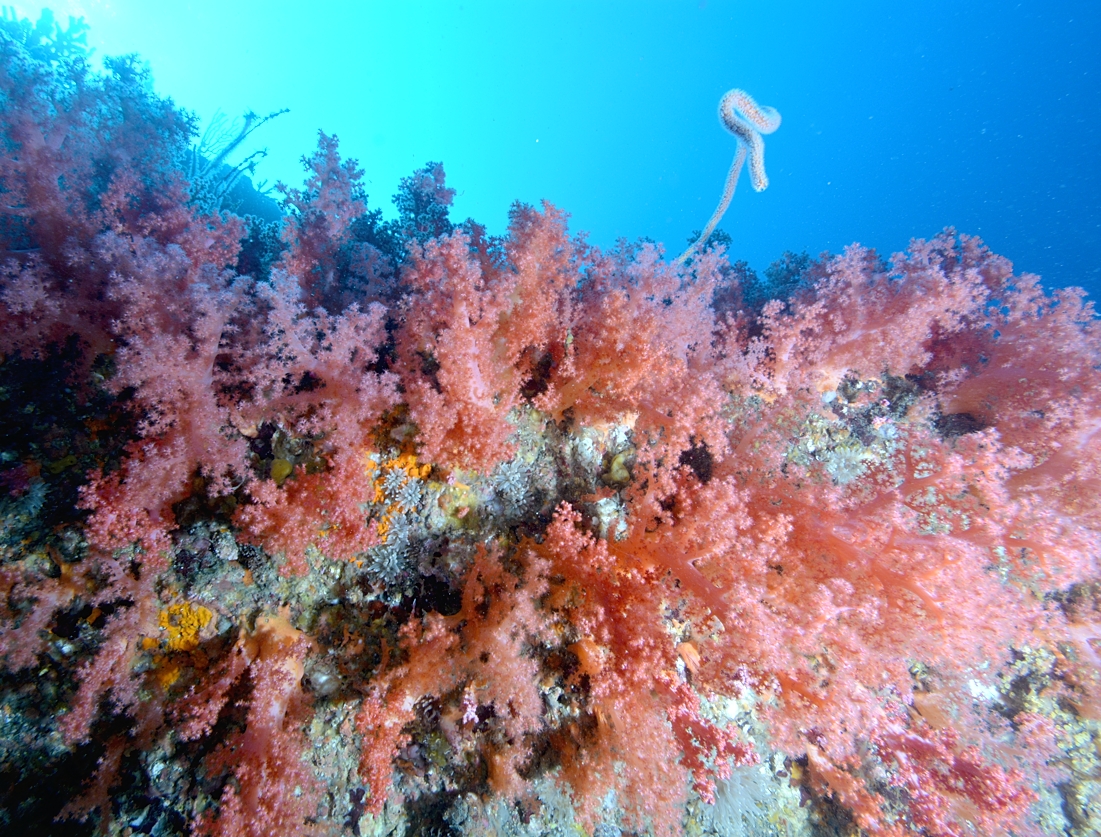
[851, 506]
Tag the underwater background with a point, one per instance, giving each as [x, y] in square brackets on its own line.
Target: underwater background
[899, 120]
[343, 496]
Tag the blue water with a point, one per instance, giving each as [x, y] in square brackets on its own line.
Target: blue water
[895, 124]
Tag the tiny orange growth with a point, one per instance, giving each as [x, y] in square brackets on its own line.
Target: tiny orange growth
[408, 462]
[383, 527]
[167, 675]
[182, 623]
[404, 463]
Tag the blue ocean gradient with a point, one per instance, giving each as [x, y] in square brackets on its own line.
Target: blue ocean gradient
[898, 119]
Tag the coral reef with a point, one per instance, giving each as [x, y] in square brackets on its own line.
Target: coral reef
[342, 526]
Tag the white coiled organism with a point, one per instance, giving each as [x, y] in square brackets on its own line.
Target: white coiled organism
[746, 120]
